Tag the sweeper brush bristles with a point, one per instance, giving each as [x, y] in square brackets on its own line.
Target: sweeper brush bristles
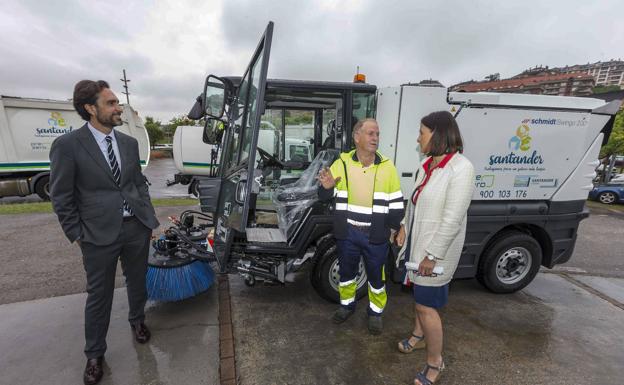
[169, 284]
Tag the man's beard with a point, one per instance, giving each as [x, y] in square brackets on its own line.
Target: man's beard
[108, 121]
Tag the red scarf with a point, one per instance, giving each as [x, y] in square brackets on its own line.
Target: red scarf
[428, 172]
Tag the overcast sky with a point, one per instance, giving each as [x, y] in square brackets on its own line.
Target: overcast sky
[168, 47]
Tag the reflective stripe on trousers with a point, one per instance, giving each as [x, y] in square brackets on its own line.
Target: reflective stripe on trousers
[350, 251]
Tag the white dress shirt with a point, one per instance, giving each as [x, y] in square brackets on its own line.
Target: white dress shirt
[100, 138]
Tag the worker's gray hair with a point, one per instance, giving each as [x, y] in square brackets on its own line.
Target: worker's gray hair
[360, 123]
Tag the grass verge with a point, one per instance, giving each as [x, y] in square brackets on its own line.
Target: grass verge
[46, 207]
[619, 208]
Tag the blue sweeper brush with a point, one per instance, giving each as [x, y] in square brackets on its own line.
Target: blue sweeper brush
[177, 262]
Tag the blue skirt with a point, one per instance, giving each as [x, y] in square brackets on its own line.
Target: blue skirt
[431, 296]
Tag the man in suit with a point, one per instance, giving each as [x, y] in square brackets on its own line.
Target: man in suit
[102, 202]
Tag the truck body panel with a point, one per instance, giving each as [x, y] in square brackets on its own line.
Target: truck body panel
[190, 154]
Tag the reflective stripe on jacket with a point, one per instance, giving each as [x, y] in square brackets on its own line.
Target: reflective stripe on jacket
[385, 209]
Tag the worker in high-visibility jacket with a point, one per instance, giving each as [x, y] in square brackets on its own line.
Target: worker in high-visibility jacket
[369, 203]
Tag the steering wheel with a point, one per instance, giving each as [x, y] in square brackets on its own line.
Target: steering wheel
[268, 159]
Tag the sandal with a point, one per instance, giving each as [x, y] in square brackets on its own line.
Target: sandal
[406, 347]
[422, 376]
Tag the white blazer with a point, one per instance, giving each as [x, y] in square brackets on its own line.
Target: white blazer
[437, 223]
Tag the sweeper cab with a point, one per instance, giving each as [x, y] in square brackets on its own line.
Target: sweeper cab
[534, 158]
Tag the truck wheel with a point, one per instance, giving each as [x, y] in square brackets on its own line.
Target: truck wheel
[607, 198]
[42, 188]
[324, 275]
[510, 262]
[194, 188]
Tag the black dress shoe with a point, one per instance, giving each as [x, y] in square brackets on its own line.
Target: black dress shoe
[93, 372]
[141, 333]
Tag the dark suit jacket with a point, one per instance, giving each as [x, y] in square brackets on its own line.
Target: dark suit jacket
[84, 195]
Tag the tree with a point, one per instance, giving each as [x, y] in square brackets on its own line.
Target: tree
[605, 89]
[493, 77]
[154, 130]
[182, 120]
[615, 145]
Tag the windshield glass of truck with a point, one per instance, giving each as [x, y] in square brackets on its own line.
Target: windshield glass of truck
[240, 130]
[363, 105]
[231, 151]
[252, 108]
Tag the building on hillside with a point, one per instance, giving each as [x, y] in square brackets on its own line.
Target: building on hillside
[538, 81]
[608, 73]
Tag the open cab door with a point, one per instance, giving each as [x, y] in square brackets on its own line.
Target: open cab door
[239, 152]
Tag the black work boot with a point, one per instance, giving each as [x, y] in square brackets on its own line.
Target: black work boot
[342, 314]
[375, 326]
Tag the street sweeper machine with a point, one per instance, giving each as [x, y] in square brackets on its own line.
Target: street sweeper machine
[534, 158]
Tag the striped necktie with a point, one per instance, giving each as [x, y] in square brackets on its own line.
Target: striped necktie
[112, 159]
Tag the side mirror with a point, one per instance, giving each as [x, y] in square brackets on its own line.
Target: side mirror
[213, 131]
[214, 96]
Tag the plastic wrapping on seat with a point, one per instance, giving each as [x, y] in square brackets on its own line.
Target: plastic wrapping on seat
[293, 199]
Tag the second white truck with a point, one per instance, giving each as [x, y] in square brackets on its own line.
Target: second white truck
[27, 129]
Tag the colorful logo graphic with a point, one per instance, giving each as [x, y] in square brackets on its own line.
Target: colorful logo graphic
[56, 126]
[519, 142]
[522, 140]
[556, 122]
[56, 120]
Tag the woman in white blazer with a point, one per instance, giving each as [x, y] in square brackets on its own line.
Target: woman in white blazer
[432, 233]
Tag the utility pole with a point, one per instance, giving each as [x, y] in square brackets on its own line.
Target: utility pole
[125, 82]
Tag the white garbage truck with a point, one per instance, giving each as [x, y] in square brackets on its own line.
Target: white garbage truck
[534, 158]
[192, 157]
[27, 129]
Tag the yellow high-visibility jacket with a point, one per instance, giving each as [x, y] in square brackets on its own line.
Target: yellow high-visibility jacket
[380, 207]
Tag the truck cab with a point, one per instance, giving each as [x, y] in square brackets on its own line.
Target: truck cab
[277, 134]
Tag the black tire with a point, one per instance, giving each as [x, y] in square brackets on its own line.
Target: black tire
[607, 197]
[326, 258]
[503, 264]
[42, 187]
[194, 188]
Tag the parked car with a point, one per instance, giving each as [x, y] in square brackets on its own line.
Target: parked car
[608, 193]
[617, 178]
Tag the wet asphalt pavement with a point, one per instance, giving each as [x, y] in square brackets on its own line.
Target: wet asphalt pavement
[552, 332]
[158, 171]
